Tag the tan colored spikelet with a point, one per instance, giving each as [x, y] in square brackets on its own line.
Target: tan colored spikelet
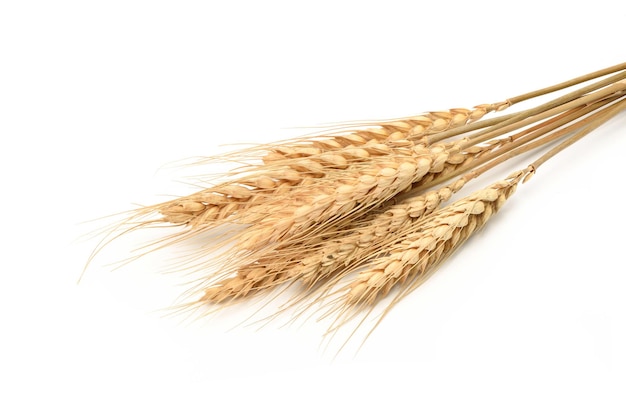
[268, 185]
[226, 202]
[248, 280]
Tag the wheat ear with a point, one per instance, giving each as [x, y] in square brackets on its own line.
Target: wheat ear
[409, 261]
[288, 163]
[428, 243]
[360, 187]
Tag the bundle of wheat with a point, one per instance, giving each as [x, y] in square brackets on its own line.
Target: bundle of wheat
[312, 210]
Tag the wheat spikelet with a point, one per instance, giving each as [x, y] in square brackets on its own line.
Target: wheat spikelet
[268, 185]
[230, 201]
[248, 280]
[385, 131]
[225, 202]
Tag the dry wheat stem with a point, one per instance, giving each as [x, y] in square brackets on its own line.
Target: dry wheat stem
[544, 111]
[519, 143]
[576, 94]
[568, 83]
[575, 131]
[536, 115]
[436, 137]
[602, 118]
[519, 116]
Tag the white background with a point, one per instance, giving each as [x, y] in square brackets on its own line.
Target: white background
[528, 319]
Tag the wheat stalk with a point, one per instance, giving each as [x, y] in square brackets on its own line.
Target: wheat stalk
[360, 186]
